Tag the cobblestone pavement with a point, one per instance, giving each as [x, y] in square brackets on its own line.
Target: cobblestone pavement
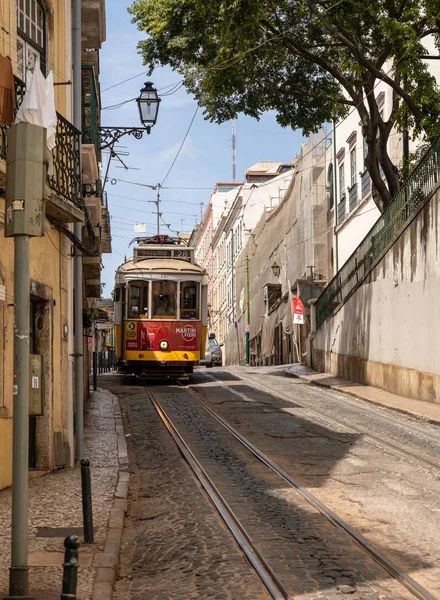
[306, 551]
[175, 546]
[55, 502]
[389, 497]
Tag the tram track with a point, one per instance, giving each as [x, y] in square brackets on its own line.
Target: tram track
[267, 574]
[366, 435]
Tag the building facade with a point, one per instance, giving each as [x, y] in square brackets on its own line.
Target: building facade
[42, 28]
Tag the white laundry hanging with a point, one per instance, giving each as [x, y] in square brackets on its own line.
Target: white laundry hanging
[38, 106]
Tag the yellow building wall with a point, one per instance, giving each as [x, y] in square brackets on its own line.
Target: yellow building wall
[5, 452]
[48, 261]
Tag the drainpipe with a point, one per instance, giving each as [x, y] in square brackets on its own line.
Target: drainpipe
[335, 196]
[78, 266]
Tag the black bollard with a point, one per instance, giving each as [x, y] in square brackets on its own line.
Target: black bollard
[70, 568]
[86, 488]
[95, 369]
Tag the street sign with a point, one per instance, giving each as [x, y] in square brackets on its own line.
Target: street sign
[298, 311]
[247, 328]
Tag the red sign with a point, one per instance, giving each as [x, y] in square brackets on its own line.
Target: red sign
[298, 311]
[146, 335]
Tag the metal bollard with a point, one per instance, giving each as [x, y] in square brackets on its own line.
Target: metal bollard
[95, 369]
[70, 567]
[86, 488]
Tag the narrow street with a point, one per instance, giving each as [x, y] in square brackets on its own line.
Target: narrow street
[377, 470]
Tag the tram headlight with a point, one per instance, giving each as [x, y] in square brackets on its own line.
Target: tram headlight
[163, 345]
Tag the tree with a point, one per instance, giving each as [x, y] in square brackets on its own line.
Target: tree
[309, 60]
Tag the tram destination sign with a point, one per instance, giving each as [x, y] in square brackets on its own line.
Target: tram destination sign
[180, 253]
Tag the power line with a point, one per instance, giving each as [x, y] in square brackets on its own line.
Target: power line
[181, 146]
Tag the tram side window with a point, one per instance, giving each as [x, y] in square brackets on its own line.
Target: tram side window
[164, 299]
[138, 299]
[189, 300]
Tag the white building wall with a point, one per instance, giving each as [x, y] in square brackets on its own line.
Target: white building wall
[387, 334]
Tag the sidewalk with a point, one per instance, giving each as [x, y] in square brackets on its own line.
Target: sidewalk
[423, 411]
[55, 511]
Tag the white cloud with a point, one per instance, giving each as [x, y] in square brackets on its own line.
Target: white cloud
[167, 155]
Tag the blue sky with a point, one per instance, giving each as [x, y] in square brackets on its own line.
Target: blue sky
[205, 158]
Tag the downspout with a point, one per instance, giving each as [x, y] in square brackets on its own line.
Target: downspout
[78, 266]
[335, 196]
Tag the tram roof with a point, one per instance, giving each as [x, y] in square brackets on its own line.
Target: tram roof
[158, 265]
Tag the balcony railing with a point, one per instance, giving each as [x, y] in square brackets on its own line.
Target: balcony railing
[66, 178]
[90, 107]
[352, 197]
[422, 182]
[365, 183]
[341, 209]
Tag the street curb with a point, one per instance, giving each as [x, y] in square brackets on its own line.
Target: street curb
[416, 415]
[107, 562]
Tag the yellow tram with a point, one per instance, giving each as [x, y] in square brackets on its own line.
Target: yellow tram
[160, 309]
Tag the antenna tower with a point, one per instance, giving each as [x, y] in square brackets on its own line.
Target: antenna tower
[234, 151]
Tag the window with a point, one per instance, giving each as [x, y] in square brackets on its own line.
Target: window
[341, 182]
[365, 151]
[189, 300]
[164, 299]
[31, 30]
[138, 299]
[353, 167]
[330, 183]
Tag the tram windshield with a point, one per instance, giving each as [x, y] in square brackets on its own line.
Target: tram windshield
[138, 299]
[164, 299]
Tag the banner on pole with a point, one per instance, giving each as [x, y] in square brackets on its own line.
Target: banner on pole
[298, 311]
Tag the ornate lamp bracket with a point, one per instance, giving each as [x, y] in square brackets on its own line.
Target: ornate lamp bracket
[109, 136]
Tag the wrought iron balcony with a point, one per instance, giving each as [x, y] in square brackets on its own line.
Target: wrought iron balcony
[90, 108]
[66, 179]
[341, 209]
[365, 183]
[352, 197]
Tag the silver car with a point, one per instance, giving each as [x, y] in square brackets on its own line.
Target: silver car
[213, 352]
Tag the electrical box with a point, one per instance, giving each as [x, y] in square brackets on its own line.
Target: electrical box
[36, 387]
[25, 180]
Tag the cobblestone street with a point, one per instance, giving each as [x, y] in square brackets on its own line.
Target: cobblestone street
[175, 545]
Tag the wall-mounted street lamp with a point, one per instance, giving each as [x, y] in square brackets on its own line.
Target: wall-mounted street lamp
[276, 269]
[148, 103]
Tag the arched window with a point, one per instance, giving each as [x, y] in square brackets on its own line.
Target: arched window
[31, 35]
[330, 186]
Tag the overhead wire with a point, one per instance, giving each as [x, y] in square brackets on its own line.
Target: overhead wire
[181, 146]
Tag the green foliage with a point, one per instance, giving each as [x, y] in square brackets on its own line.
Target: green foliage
[90, 314]
[309, 61]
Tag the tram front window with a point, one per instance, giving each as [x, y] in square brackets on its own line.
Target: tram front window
[164, 299]
[189, 300]
[138, 299]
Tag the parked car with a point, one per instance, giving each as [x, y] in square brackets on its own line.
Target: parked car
[213, 352]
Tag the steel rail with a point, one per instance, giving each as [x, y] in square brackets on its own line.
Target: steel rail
[267, 575]
[390, 567]
[352, 429]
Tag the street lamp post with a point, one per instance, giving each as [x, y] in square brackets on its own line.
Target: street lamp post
[148, 104]
[248, 316]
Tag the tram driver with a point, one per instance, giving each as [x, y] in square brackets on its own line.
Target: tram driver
[164, 309]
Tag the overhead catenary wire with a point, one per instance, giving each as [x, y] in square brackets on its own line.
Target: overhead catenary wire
[181, 146]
